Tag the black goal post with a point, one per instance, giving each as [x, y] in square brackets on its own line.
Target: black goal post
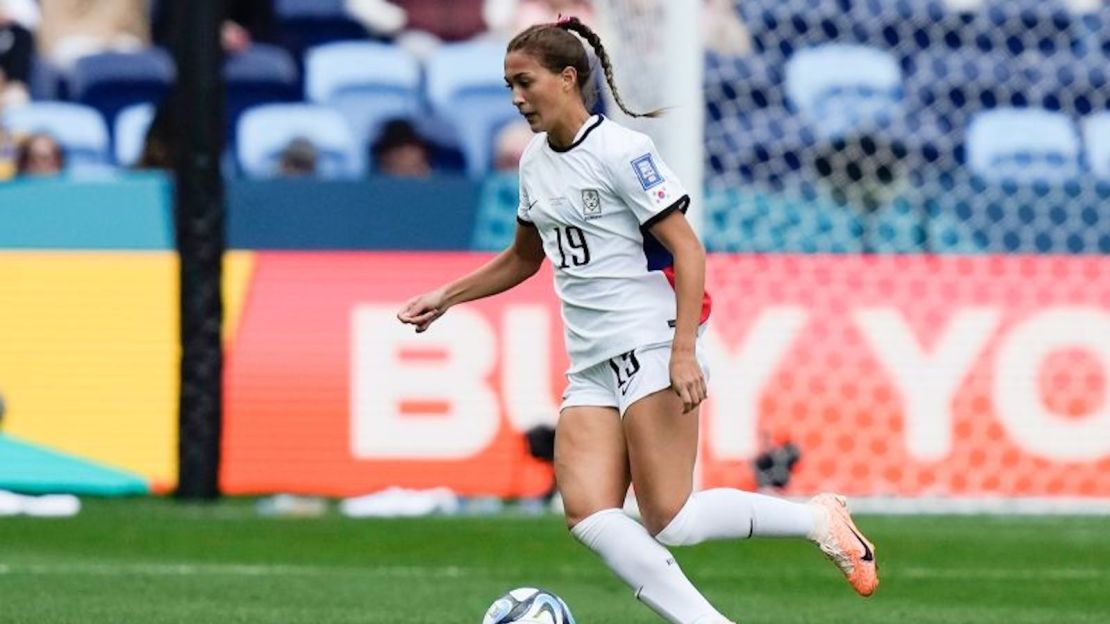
[197, 104]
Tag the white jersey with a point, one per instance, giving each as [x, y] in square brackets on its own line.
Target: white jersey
[592, 204]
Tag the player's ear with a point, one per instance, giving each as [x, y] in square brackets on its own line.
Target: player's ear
[569, 77]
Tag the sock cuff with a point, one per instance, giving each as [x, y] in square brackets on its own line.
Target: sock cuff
[678, 530]
[587, 530]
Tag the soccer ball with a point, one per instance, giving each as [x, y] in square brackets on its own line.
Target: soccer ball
[528, 605]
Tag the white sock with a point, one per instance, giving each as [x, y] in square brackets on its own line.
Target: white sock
[730, 514]
[646, 566]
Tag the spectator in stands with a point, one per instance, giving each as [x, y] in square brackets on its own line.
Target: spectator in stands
[298, 159]
[500, 194]
[723, 30]
[247, 22]
[508, 17]
[420, 26]
[40, 155]
[161, 139]
[71, 29]
[381, 17]
[509, 145]
[401, 151]
[7, 155]
[18, 21]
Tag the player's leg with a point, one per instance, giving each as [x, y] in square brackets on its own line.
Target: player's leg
[591, 468]
[662, 447]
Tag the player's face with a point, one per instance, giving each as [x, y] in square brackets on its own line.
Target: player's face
[538, 93]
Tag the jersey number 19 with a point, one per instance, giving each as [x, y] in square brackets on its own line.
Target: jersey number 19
[576, 241]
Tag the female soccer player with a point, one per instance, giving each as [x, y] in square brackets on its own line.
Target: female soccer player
[595, 197]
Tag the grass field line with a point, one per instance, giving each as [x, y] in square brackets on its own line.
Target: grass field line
[432, 572]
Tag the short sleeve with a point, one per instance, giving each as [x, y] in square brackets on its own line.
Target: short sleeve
[646, 183]
[524, 208]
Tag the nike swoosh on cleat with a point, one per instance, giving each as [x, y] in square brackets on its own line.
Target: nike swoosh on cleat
[867, 554]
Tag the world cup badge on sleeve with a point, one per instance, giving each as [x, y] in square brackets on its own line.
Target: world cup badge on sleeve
[647, 172]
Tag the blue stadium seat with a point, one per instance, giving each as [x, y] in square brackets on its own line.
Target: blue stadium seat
[843, 88]
[735, 84]
[47, 81]
[1077, 84]
[908, 27]
[1093, 28]
[1018, 26]
[768, 146]
[112, 81]
[79, 129]
[130, 132]
[466, 86]
[369, 83]
[1096, 137]
[781, 27]
[308, 23]
[261, 74]
[1023, 144]
[945, 88]
[264, 131]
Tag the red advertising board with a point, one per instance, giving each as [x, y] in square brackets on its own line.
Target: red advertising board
[896, 375]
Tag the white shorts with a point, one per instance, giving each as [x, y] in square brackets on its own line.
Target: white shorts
[621, 381]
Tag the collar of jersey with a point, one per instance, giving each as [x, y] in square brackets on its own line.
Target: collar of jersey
[582, 134]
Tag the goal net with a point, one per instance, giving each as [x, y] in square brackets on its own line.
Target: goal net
[918, 190]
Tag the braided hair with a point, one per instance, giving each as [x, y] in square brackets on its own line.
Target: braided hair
[555, 48]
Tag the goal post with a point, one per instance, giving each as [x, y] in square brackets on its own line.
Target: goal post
[658, 56]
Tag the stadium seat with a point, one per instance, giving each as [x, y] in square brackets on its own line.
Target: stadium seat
[112, 81]
[781, 27]
[1023, 144]
[79, 129]
[768, 146]
[1077, 84]
[308, 23]
[369, 83]
[735, 84]
[261, 74]
[264, 131]
[1018, 26]
[842, 88]
[909, 27]
[130, 132]
[47, 81]
[466, 86]
[1096, 136]
[946, 88]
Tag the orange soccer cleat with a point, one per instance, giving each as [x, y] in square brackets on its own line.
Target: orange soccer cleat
[843, 543]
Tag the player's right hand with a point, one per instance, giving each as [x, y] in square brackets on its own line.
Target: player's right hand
[423, 310]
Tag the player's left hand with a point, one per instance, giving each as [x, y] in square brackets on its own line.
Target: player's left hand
[687, 380]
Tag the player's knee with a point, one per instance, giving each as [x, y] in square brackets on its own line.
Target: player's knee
[672, 526]
[657, 517]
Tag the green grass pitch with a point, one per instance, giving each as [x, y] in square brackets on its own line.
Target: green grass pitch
[155, 561]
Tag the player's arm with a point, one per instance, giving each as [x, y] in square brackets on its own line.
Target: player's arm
[675, 233]
[514, 265]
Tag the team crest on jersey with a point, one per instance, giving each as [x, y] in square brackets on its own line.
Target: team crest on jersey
[591, 203]
[647, 172]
